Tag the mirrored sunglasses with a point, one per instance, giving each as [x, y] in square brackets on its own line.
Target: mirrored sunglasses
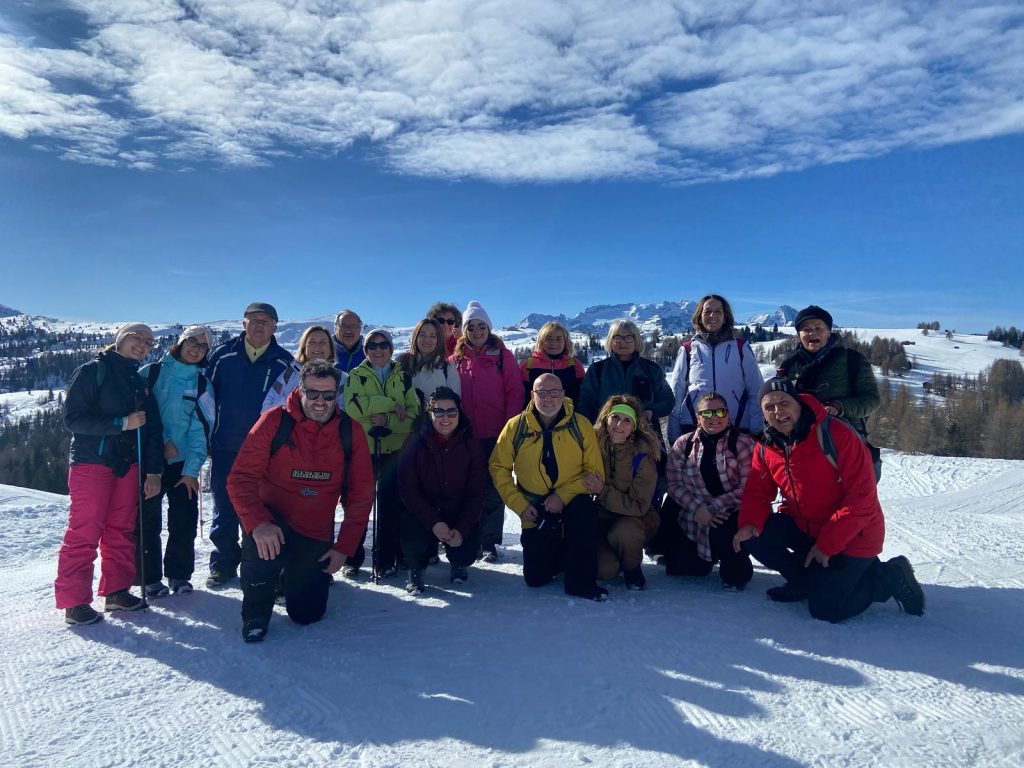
[707, 413]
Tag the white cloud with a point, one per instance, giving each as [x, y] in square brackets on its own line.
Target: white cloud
[518, 90]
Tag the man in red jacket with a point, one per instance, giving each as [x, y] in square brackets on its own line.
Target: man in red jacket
[828, 533]
[286, 500]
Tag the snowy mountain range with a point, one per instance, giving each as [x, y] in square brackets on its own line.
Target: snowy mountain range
[667, 317]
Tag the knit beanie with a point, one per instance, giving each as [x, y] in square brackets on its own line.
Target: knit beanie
[194, 332]
[128, 329]
[778, 384]
[812, 312]
[378, 332]
[473, 312]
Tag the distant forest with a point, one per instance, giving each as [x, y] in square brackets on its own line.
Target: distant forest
[981, 416]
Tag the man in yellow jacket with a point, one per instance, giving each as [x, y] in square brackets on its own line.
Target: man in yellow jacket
[549, 448]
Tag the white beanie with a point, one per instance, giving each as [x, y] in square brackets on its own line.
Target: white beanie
[195, 331]
[129, 329]
[475, 312]
[379, 332]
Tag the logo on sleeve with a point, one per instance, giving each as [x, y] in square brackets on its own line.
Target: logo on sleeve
[314, 475]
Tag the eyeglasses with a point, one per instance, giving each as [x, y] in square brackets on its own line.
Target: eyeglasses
[437, 413]
[350, 326]
[629, 338]
[707, 413]
[316, 394]
[445, 320]
[372, 345]
[193, 344]
[542, 393]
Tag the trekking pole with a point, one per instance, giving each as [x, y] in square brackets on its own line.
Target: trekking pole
[142, 538]
[378, 434]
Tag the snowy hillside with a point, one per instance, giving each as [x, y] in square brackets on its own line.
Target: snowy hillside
[496, 674]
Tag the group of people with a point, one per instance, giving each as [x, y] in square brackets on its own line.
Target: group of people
[441, 438]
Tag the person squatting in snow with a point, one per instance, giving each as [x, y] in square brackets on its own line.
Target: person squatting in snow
[828, 532]
[286, 501]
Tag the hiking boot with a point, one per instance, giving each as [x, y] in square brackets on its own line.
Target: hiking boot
[415, 583]
[254, 631]
[635, 579]
[458, 574]
[489, 554]
[597, 594]
[180, 586]
[905, 589]
[123, 601]
[349, 572]
[788, 593]
[156, 590]
[387, 573]
[218, 579]
[82, 614]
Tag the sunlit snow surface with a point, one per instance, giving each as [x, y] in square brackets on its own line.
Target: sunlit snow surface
[496, 674]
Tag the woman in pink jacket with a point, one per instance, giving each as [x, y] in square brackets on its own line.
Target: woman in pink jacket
[492, 393]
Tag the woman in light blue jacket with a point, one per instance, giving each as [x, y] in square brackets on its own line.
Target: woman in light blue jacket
[714, 360]
[187, 410]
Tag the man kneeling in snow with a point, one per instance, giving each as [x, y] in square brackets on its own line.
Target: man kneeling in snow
[829, 530]
[285, 484]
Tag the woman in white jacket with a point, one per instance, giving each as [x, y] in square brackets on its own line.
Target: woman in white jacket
[714, 360]
[427, 364]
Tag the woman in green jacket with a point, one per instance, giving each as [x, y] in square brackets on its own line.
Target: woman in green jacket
[380, 396]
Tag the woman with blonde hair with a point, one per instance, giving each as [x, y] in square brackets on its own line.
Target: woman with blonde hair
[631, 451]
[625, 372]
[553, 353]
[316, 344]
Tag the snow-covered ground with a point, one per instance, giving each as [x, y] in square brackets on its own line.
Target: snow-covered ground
[496, 674]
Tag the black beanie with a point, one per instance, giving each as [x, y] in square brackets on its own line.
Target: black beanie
[813, 312]
[778, 384]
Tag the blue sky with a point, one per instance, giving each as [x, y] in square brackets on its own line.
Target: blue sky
[174, 161]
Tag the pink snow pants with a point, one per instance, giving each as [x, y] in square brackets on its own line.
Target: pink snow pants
[103, 513]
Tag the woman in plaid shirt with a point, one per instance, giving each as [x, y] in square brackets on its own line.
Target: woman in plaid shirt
[707, 469]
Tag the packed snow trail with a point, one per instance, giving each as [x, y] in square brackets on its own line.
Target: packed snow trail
[496, 674]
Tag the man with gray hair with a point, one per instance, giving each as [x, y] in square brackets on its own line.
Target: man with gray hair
[348, 340]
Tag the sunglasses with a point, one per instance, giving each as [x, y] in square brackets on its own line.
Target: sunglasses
[437, 413]
[476, 328]
[707, 413]
[372, 345]
[445, 320]
[316, 394]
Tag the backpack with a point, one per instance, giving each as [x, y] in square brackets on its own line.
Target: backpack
[201, 384]
[825, 442]
[284, 432]
[523, 430]
[686, 346]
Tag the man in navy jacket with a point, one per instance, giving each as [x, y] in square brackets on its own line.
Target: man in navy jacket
[247, 373]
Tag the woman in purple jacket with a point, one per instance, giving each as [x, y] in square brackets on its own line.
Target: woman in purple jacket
[441, 479]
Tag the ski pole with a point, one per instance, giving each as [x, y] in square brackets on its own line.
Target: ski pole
[142, 537]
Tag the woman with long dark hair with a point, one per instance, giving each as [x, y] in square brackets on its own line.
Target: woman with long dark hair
[441, 478]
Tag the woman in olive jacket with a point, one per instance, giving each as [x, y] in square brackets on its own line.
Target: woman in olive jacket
[630, 451]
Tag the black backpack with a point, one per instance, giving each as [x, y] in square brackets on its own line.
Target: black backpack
[201, 385]
[284, 433]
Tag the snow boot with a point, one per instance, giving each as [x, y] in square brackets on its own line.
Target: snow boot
[156, 590]
[415, 583]
[82, 614]
[254, 631]
[905, 588]
[788, 593]
[180, 586]
[458, 574]
[123, 600]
